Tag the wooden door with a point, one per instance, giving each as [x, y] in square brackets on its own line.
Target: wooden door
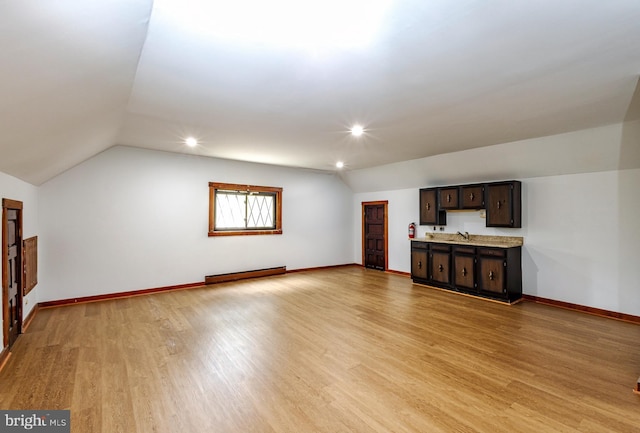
[11, 270]
[375, 235]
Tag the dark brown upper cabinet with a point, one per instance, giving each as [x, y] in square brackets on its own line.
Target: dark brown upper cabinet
[448, 198]
[503, 204]
[430, 213]
[472, 197]
[501, 200]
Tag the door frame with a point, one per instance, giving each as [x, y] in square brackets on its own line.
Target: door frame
[14, 205]
[385, 203]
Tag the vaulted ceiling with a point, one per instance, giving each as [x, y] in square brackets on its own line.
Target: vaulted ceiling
[423, 77]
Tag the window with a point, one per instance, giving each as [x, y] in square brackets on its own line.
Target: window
[244, 210]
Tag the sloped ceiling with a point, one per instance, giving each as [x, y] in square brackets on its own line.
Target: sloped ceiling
[66, 75]
[79, 76]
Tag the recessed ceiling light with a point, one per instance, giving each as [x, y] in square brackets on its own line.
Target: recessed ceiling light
[357, 130]
[191, 142]
[339, 164]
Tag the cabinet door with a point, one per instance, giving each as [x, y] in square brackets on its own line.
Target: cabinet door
[499, 206]
[448, 198]
[463, 271]
[503, 204]
[440, 267]
[472, 197]
[419, 264]
[492, 275]
[429, 212]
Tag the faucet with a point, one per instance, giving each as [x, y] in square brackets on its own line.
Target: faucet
[464, 235]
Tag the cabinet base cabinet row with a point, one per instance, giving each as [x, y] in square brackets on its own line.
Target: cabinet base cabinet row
[494, 273]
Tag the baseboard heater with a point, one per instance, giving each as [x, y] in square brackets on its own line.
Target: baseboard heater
[234, 276]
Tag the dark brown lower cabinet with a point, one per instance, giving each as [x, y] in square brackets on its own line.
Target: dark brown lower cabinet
[499, 271]
[440, 261]
[492, 276]
[464, 268]
[419, 257]
[489, 272]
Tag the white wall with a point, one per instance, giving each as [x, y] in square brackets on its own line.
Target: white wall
[402, 209]
[132, 219]
[581, 236]
[15, 189]
[606, 148]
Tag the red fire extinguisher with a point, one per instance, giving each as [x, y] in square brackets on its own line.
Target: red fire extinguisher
[412, 230]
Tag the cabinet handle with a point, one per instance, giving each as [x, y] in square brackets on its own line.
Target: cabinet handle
[440, 268]
[499, 204]
[448, 198]
[419, 265]
[464, 272]
[491, 275]
[472, 196]
[428, 206]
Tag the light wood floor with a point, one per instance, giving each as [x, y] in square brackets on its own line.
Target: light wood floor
[341, 350]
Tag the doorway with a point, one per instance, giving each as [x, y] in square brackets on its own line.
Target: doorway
[11, 270]
[374, 235]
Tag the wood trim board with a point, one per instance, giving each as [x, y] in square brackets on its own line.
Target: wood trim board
[590, 310]
[27, 320]
[118, 295]
[4, 357]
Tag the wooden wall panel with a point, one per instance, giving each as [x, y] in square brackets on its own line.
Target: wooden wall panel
[30, 250]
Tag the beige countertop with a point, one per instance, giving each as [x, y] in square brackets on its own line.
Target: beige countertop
[475, 240]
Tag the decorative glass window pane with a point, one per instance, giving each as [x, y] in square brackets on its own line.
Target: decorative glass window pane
[230, 210]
